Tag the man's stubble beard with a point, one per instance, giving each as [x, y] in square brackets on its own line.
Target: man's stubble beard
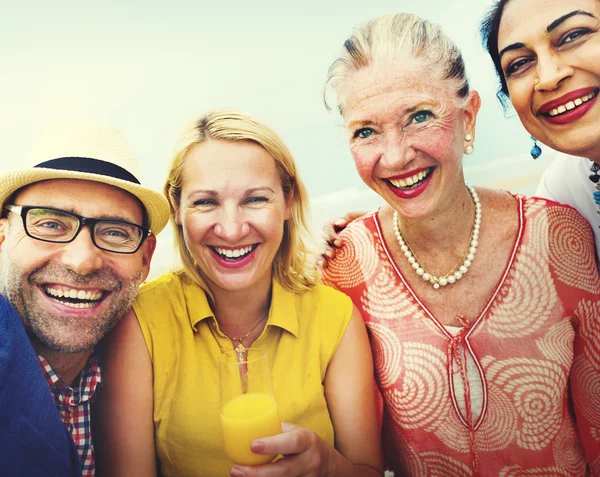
[56, 332]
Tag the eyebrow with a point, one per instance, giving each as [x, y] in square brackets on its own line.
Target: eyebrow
[560, 20]
[72, 210]
[513, 46]
[357, 122]
[549, 28]
[419, 106]
[408, 110]
[117, 217]
[214, 193]
[259, 189]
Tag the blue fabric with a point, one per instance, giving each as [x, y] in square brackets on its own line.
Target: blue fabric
[33, 440]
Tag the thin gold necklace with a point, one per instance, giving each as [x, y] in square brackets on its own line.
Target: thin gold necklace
[240, 349]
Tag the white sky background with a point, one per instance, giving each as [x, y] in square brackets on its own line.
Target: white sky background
[148, 67]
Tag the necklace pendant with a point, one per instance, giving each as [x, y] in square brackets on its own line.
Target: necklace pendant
[436, 285]
[240, 350]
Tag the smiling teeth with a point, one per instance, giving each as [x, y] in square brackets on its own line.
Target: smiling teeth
[87, 304]
[72, 293]
[571, 104]
[238, 252]
[409, 181]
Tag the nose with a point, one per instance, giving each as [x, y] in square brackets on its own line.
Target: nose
[398, 150]
[551, 70]
[81, 255]
[231, 225]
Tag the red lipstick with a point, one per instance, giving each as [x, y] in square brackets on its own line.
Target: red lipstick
[410, 193]
[408, 174]
[571, 115]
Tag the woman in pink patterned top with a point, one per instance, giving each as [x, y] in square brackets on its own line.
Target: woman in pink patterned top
[483, 307]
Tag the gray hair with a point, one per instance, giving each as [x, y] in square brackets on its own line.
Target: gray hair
[389, 37]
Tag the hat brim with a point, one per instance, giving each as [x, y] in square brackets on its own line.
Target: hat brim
[157, 207]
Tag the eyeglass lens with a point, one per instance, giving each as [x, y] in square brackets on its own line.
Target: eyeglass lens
[57, 226]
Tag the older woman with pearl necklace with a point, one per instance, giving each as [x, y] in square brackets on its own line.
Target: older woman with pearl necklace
[482, 316]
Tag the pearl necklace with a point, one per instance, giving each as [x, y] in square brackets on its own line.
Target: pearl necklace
[467, 258]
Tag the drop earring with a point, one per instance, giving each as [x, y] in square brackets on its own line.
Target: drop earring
[470, 148]
[536, 151]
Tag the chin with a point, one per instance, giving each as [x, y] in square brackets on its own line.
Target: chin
[581, 149]
[69, 341]
[232, 285]
[412, 208]
[581, 141]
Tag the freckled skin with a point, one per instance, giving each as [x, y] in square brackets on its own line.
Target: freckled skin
[564, 60]
[385, 100]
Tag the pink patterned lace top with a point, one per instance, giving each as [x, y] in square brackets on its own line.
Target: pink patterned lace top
[535, 349]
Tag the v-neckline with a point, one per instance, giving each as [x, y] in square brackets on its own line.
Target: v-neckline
[497, 288]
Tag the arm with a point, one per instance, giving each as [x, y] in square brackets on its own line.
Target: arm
[582, 294]
[124, 434]
[585, 379]
[349, 390]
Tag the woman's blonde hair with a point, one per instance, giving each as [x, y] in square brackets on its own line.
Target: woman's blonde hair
[390, 37]
[293, 265]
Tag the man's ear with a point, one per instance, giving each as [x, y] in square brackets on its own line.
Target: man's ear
[147, 250]
[3, 235]
[3, 230]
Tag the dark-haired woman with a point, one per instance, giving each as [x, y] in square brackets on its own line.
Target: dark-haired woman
[547, 57]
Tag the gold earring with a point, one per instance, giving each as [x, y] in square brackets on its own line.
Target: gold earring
[536, 81]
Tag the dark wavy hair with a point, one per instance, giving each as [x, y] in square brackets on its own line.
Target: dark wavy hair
[488, 29]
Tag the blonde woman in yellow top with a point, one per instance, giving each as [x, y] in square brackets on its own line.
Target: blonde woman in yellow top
[239, 212]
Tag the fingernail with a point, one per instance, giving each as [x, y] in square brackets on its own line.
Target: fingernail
[337, 242]
[236, 472]
[257, 446]
[340, 222]
[329, 254]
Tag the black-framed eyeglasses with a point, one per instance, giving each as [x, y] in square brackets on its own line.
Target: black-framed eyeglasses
[55, 225]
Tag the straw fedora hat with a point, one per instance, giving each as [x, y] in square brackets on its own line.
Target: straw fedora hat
[87, 152]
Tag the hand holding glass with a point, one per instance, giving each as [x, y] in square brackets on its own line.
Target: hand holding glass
[248, 407]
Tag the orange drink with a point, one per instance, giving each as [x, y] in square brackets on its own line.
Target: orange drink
[244, 419]
[248, 406]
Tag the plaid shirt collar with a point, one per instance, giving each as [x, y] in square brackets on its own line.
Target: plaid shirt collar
[74, 407]
[84, 387]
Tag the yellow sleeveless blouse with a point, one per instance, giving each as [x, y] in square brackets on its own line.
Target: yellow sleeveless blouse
[300, 338]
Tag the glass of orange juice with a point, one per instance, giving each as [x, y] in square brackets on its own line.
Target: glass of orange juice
[248, 407]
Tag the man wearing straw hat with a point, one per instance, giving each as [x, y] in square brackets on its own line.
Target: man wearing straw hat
[77, 233]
